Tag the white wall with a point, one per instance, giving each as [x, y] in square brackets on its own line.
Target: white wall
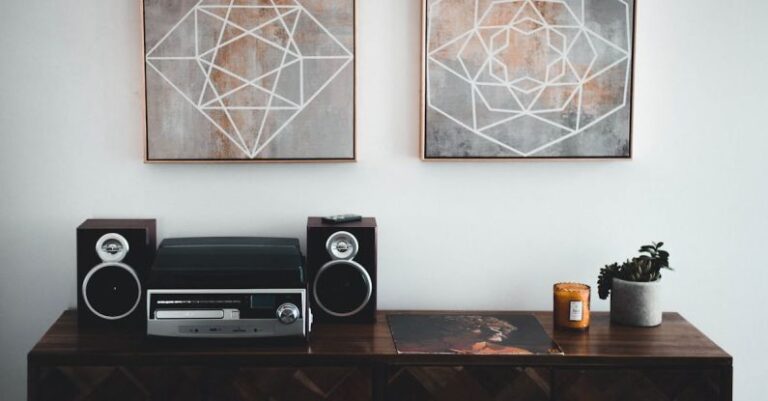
[456, 235]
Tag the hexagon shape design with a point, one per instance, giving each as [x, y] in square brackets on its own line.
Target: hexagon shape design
[537, 78]
[250, 80]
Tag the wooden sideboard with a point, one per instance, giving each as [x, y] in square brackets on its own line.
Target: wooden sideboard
[359, 362]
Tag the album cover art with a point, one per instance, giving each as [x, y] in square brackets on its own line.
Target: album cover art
[496, 334]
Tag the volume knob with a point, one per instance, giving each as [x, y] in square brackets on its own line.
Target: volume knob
[288, 313]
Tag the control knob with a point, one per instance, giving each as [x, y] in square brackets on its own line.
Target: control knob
[288, 313]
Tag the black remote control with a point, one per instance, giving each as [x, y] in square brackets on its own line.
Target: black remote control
[342, 218]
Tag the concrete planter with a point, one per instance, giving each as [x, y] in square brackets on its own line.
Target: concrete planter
[636, 304]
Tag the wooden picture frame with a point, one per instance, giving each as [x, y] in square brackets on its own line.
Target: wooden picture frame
[463, 151]
[347, 103]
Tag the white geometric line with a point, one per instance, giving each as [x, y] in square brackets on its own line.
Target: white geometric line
[450, 70]
[289, 120]
[208, 74]
[282, 21]
[488, 105]
[197, 35]
[500, 122]
[466, 42]
[452, 41]
[487, 62]
[430, 13]
[580, 109]
[274, 86]
[563, 127]
[301, 81]
[245, 32]
[249, 108]
[519, 11]
[213, 6]
[487, 10]
[246, 82]
[573, 14]
[565, 104]
[604, 70]
[517, 99]
[629, 31]
[221, 103]
[183, 95]
[474, 107]
[312, 17]
[594, 59]
[480, 134]
[293, 33]
[251, 33]
[172, 29]
[580, 131]
[218, 41]
[527, 33]
[538, 12]
[606, 41]
[630, 48]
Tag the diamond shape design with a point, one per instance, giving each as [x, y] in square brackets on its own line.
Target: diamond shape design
[528, 65]
[249, 67]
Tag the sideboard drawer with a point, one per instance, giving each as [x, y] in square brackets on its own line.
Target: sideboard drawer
[463, 383]
[652, 384]
[193, 383]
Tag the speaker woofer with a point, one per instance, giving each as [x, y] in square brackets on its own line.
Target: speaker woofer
[112, 290]
[342, 288]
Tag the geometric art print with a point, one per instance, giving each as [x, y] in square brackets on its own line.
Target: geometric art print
[513, 79]
[250, 80]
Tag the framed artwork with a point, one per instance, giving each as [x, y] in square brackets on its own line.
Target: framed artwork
[527, 79]
[250, 80]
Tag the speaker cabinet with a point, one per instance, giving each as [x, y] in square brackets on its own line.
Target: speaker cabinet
[113, 260]
[341, 262]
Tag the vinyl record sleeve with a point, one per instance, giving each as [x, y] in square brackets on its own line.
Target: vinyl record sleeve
[471, 334]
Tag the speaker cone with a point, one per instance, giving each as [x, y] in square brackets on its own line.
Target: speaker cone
[112, 291]
[342, 288]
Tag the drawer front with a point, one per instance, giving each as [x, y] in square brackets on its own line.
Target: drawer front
[290, 384]
[463, 383]
[189, 383]
[639, 385]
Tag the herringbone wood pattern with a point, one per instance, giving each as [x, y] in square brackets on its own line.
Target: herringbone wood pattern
[637, 385]
[469, 383]
[354, 383]
[195, 383]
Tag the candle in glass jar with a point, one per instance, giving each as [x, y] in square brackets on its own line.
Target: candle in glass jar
[571, 306]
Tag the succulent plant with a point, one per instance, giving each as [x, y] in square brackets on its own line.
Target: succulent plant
[644, 268]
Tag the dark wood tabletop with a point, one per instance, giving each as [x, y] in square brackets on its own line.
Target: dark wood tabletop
[675, 343]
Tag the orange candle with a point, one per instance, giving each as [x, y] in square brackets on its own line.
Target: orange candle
[571, 306]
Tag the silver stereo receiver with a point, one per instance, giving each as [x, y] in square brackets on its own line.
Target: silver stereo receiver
[228, 288]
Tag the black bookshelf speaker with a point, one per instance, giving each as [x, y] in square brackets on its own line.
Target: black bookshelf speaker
[113, 260]
[341, 263]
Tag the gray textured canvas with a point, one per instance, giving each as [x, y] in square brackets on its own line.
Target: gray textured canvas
[528, 79]
[250, 79]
